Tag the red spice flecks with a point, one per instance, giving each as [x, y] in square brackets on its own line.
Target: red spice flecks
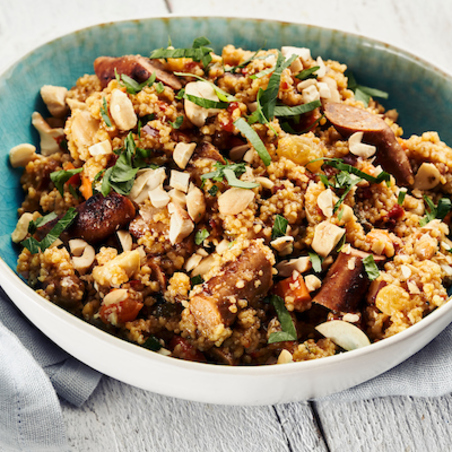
[396, 212]
[284, 85]
[232, 106]
[228, 126]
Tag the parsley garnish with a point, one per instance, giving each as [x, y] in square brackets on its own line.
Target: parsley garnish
[230, 172]
[288, 332]
[440, 211]
[279, 227]
[34, 246]
[159, 87]
[104, 113]
[152, 343]
[371, 267]
[131, 85]
[308, 73]
[363, 93]
[196, 280]
[201, 235]
[59, 178]
[180, 94]
[199, 52]
[251, 135]
[177, 123]
[316, 262]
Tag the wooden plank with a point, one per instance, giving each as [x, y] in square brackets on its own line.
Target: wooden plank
[27, 24]
[121, 418]
[396, 424]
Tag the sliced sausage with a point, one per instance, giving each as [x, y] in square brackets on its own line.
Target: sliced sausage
[135, 66]
[348, 120]
[346, 282]
[97, 218]
[248, 277]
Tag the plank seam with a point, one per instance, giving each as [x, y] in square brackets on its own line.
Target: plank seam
[289, 446]
[319, 424]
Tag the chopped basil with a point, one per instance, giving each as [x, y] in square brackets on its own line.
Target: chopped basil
[279, 227]
[245, 63]
[199, 52]
[213, 190]
[196, 280]
[371, 267]
[308, 73]
[440, 211]
[316, 262]
[401, 197]
[285, 111]
[131, 85]
[201, 235]
[180, 94]
[363, 93]
[250, 134]
[59, 178]
[104, 113]
[222, 95]
[230, 172]
[41, 221]
[34, 246]
[73, 192]
[288, 333]
[262, 73]
[206, 103]
[152, 343]
[159, 87]
[177, 123]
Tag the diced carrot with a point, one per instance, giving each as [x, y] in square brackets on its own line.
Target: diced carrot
[295, 288]
[86, 189]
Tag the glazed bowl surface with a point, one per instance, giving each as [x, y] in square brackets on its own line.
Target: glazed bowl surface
[420, 92]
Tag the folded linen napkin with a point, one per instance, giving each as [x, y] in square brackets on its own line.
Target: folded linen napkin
[33, 370]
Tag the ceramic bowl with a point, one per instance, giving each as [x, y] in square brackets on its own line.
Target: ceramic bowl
[420, 92]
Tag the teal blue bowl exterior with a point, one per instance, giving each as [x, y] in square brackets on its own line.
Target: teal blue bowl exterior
[420, 92]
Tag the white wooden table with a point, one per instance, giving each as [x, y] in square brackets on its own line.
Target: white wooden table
[120, 418]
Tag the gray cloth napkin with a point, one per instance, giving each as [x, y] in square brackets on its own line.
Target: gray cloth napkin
[33, 370]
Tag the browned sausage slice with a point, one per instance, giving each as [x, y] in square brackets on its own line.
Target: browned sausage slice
[248, 277]
[135, 66]
[97, 218]
[346, 282]
[348, 120]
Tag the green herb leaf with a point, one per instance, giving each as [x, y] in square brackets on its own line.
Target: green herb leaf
[371, 267]
[104, 113]
[152, 343]
[196, 280]
[231, 172]
[213, 190]
[245, 63]
[59, 178]
[201, 235]
[288, 332]
[41, 221]
[262, 73]
[180, 95]
[159, 87]
[206, 103]
[131, 85]
[436, 212]
[198, 52]
[308, 73]
[177, 123]
[285, 111]
[401, 196]
[234, 182]
[316, 262]
[250, 134]
[34, 246]
[279, 227]
[363, 93]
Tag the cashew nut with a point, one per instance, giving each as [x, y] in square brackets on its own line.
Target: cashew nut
[21, 154]
[360, 149]
[179, 180]
[49, 136]
[427, 177]
[182, 153]
[196, 204]
[312, 283]
[121, 109]
[125, 239]
[102, 148]
[301, 265]
[181, 225]
[234, 201]
[84, 254]
[283, 245]
[159, 197]
[326, 237]
[21, 230]
[285, 357]
[55, 99]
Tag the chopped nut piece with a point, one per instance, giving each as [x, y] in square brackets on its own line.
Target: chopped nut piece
[237, 152]
[119, 270]
[285, 357]
[21, 154]
[181, 225]
[179, 180]
[121, 109]
[182, 153]
[312, 283]
[303, 52]
[102, 148]
[406, 271]
[49, 137]
[284, 245]
[326, 237]
[177, 197]
[84, 261]
[325, 202]
[265, 182]
[21, 230]
[147, 180]
[234, 201]
[196, 204]
[115, 296]
[301, 265]
[125, 239]
[55, 99]
[344, 334]
[427, 177]
[350, 318]
[358, 148]
[193, 261]
[159, 197]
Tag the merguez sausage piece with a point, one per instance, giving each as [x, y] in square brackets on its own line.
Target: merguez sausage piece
[248, 277]
[97, 218]
[346, 282]
[348, 120]
[135, 66]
